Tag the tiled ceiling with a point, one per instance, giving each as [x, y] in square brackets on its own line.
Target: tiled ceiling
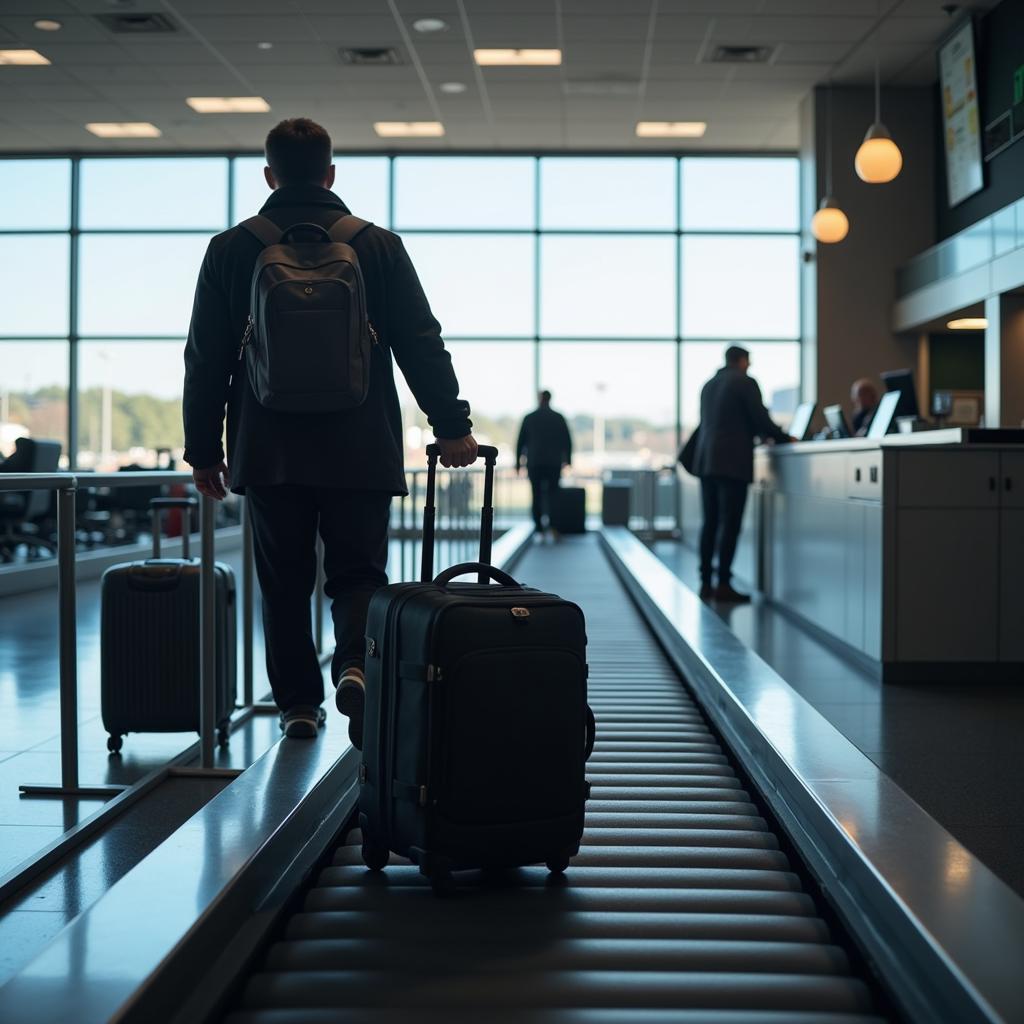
[625, 60]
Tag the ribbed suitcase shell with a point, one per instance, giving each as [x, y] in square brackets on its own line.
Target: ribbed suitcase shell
[149, 653]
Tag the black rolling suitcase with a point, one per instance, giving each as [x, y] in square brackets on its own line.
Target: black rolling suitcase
[569, 510]
[477, 727]
[149, 641]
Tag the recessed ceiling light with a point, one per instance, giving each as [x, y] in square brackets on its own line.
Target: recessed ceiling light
[228, 104]
[264, 46]
[670, 129]
[968, 323]
[48, 25]
[517, 58]
[452, 88]
[409, 129]
[22, 57]
[124, 129]
[430, 25]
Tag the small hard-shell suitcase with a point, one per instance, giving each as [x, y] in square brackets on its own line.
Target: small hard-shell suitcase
[477, 728]
[569, 510]
[149, 641]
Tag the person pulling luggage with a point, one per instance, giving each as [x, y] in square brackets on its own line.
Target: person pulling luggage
[298, 313]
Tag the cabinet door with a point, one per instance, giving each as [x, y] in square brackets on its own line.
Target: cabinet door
[947, 585]
[1011, 585]
[873, 581]
[948, 479]
[1012, 482]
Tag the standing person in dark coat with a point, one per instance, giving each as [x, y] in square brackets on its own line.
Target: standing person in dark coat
[335, 472]
[732, 416]
[546, 445]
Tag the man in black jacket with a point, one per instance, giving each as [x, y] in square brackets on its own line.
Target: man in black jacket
[546, 444]
[329, 472]
[732, 416]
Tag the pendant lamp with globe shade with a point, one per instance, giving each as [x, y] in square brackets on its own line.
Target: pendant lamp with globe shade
[879, 158]
[829, 224]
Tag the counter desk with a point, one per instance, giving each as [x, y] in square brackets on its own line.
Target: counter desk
[908, 551]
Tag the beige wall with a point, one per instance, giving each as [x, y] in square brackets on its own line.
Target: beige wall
[848, 288]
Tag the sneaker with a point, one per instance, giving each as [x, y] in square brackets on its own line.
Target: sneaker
[727, 595]
[351, 700]
[302, 722]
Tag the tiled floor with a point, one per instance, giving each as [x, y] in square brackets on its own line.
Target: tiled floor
[955, 748]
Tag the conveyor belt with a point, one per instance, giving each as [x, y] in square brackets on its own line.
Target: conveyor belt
[680, 906]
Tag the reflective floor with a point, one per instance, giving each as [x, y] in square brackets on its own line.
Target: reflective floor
[955, 749]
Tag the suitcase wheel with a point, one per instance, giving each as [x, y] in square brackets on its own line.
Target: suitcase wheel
[438, 872]
[557, 864]
[115, 743]
[375, 857]
[223, 734]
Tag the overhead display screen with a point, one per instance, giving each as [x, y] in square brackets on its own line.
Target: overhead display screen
[961, 119]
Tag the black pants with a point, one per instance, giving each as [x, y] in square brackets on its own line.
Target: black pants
[544, 483]
[354, 528]
[723, 500]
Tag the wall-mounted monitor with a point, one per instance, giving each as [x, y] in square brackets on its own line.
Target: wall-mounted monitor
[961, 117]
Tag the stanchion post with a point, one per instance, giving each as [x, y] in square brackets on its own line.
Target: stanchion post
[318, 597]
[207, 636]
[247, 607]
[68, 643]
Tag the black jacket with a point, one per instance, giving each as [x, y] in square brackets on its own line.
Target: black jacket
[544, 439]
[360, 448]
[732, 415]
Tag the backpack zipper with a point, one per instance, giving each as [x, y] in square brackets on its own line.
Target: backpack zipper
[250, 326]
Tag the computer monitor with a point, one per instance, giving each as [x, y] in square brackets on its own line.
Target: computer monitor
[836, 420]
[885, 414]
[903, 382]
[800, 425]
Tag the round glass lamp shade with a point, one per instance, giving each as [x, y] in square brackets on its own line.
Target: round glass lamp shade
[879, 158]
[829, 224]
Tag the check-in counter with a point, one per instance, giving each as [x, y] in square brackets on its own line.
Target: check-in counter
[907, 551]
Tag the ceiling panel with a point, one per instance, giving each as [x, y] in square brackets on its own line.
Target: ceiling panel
[615, 69]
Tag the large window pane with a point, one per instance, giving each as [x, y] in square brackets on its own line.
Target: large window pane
[608, 192]
[477, 285]
[154, 192]
[740, 194]
[149, 292]
[129, 395]
[361, 182]
[33, 392]
[619, 398]
[496, 378]
[34, 284]
[35, 193]
[774, 365]
[464, 192]
[608, 286]
[740, 286]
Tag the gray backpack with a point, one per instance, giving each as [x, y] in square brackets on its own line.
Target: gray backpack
[308, 340]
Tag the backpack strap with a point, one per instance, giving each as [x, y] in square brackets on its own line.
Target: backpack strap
[263, 229]
[346, 227]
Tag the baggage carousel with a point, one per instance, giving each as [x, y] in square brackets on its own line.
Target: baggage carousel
[683, 903]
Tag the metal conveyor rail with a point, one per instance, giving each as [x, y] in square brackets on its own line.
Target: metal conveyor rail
[680, 907]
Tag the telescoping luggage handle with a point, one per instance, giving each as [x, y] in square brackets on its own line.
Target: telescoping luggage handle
[490, 456]
[156, 508]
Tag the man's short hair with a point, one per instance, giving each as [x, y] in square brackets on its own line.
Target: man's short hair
[298, 152]
[735, 354]
[545, 396]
